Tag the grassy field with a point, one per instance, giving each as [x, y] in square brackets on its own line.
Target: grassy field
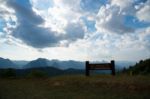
[76, 87]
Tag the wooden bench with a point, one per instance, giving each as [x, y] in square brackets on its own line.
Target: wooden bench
[100, 66]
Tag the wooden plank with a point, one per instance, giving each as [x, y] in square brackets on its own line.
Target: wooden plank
[104, 66]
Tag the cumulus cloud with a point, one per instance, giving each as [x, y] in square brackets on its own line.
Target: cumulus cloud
[30, 27]
[143, 13]
[114, 17]
[110, 20]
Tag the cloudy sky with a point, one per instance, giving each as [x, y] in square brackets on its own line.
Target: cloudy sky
[75, 29]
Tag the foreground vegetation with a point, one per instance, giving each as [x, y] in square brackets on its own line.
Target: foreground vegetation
[76, 87]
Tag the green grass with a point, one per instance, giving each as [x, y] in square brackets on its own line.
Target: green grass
[77, 87]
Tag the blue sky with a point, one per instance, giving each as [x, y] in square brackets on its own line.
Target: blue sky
[75, 29]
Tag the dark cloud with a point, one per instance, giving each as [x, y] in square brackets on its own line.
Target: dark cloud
[24, 12]
[36, 36]
[30, 31]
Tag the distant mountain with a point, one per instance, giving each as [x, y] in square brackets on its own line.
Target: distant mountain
[6, 63]
[67, 64]
[40, 62]
[20, 63]
[143, 67]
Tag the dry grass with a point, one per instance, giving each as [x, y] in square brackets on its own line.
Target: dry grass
[77, 87]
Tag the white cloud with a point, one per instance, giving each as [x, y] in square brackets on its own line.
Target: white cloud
[109, 20]
[70, 4]
[29, 24]
[143, 14]
[64, 17]
[91, 50]
[59, 16]
[123, 4]
[144, 37]
[126, 7]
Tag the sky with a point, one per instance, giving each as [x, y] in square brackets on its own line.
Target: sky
[75, 29]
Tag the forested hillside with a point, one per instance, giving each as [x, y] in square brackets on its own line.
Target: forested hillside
[143, 67]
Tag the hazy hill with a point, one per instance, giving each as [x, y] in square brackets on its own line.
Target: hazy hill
[40, 62]
[6, 63]
[20, 63]
[67, 64]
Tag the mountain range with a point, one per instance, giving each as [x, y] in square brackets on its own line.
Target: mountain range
[63, 65]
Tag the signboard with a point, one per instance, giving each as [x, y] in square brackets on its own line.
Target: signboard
[100, 66]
